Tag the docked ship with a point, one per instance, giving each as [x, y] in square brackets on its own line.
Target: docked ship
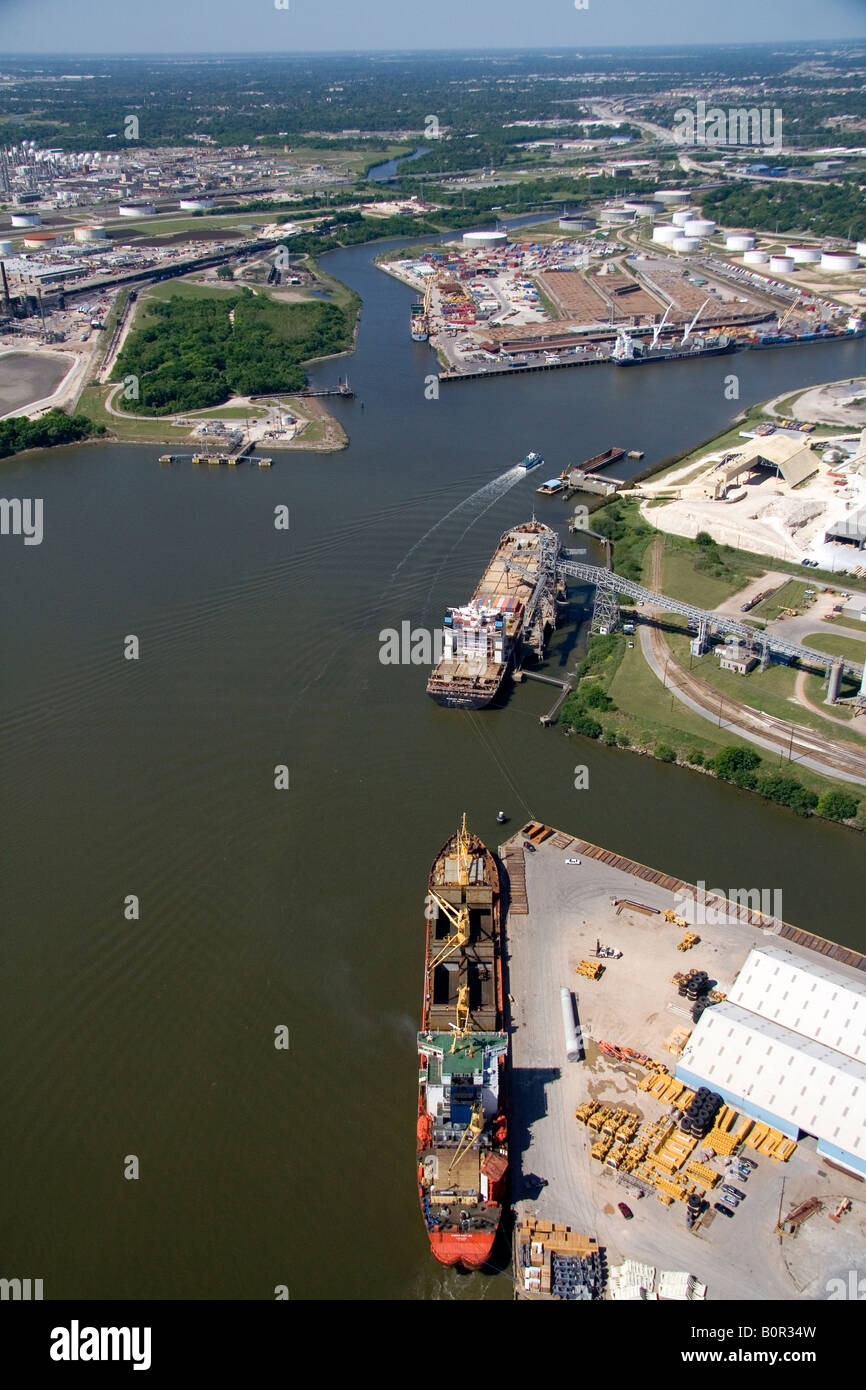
[512, 607]
[462, 1130]
[629, 352]
[821, 334]
[418, 326]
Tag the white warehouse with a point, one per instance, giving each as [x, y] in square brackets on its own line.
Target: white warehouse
[788, 1047]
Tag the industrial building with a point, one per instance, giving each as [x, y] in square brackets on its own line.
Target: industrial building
[788, 1046]
[850, 530]
[788, 458]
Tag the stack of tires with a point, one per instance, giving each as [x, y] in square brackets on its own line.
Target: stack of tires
[693, 985]
[697, 1120]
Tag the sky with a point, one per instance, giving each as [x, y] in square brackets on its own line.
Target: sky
[257, 26]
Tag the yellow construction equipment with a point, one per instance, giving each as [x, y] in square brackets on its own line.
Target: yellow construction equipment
[702, 1173]
[590, 969]
[689, 940]
[671, 916]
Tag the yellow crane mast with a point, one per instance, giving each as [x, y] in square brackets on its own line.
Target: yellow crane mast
[473, 1131]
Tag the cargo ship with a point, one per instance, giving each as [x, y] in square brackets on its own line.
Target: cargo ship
[418, 326]
[822, 334]
[512, 606]
[462, 1129]
[630, 353]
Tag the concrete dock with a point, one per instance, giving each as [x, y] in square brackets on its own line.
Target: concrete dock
[553, 923]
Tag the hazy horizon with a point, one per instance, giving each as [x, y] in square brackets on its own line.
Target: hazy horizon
[309, 27]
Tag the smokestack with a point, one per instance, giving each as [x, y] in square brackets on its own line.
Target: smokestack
[6, 299]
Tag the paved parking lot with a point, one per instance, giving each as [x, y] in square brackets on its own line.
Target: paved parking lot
[635, 1004]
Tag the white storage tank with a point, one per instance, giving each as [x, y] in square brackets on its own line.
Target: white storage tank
[756, 258]
[781, 265]
[699, 226]
[197, 204]
[576, 223]
[6, 248]
[480, 239]
[740, 241]
[686, 243]
[89, 233]
[666, 234]
[644, 209]
[684, 215]
[26, 219]
[136, 210]
[677, 196]
[616, 216]
[861, 249]
[839, 260]
[803, 255]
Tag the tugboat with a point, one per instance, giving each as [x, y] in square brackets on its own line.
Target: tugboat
[462, 1130]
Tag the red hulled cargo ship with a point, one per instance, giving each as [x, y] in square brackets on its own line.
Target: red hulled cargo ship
[462, 1047]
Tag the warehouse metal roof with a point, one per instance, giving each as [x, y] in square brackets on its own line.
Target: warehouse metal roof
[782, 1073]
[813, 1000]
[794, 459]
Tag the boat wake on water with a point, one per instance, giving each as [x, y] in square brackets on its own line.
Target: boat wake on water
[484, 497]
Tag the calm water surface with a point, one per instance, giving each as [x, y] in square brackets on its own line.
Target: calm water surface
[304, 908]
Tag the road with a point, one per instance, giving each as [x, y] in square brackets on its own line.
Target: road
[845, 762]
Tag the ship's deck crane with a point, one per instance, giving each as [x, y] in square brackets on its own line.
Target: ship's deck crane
[788, 312]
[462, 1018]
[473, 1131]
[659, 326]
[460, 919]
[688, 331]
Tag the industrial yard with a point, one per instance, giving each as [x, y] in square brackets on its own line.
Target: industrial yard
[577, 896]
[493, 300]
[795, 492]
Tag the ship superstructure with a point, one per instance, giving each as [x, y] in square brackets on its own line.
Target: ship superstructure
[511, 609]
[462, 1129]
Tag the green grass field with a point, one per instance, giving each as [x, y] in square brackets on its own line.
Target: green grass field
[683, 581]
[791, 595]
[648, 713]
[849, 647]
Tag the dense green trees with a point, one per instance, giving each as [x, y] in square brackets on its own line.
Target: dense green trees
[192, 353]
[821, 209]
[55, 427]
[837, 806]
